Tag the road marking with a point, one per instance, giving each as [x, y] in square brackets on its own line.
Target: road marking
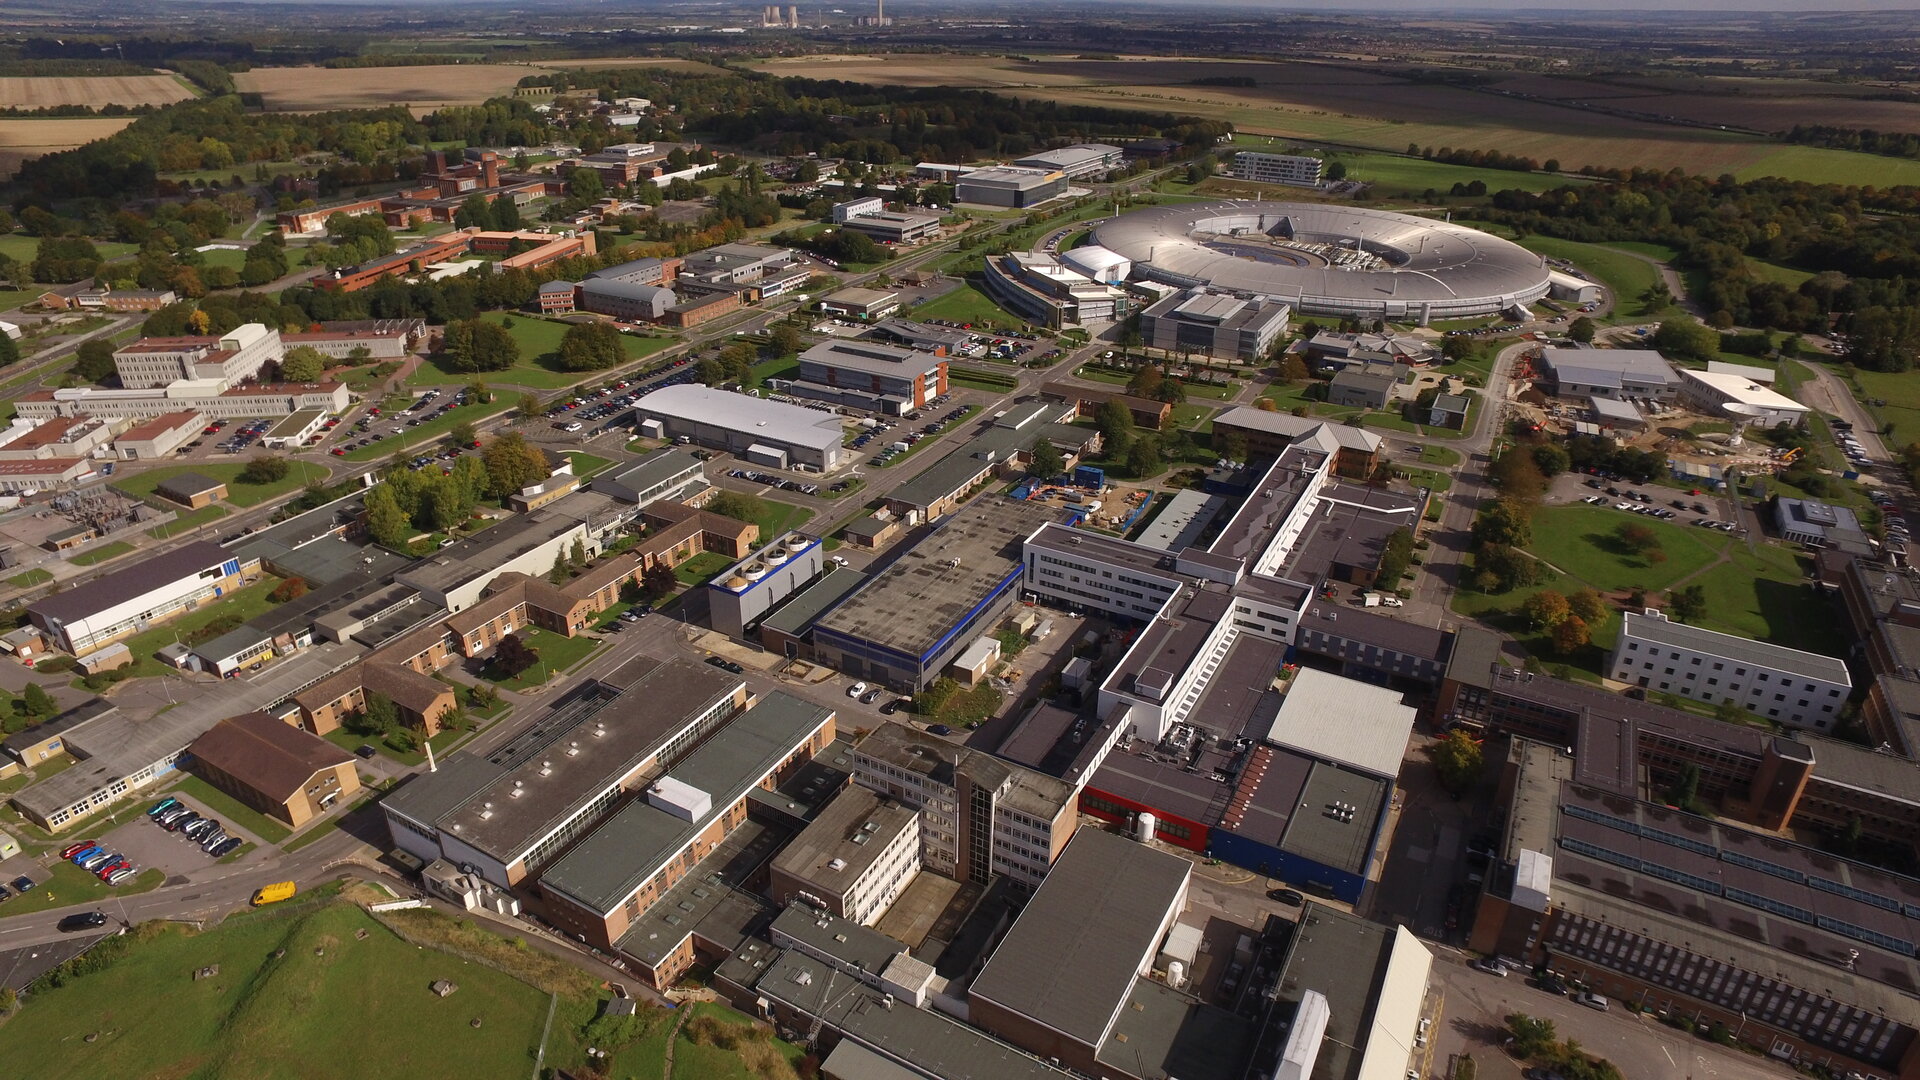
[1669, 1053]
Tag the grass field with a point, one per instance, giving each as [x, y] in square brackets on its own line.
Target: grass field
[968, 304]
[701, 568]
[243, 604]
[23, 139]
[311, 89]
[29, 578]
[1333, 104]
[142, 485]
[1396, 175]
[539, 366]
[1901, 392]
[1764, 594]
[22, 248]
[585, 465]
[233, 810]
[557, 654]
[1581, 540]
[96, 90]
[296, 985]
[1623, 274]
[188, 521]
[67, 884]
[93, 556]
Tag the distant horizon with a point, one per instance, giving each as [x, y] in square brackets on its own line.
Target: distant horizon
[908, 8]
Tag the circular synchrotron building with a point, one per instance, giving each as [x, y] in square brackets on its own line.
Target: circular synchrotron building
[1328, 259]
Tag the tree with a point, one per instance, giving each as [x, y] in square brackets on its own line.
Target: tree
[577, 554]
[93, 361]
[1636, 537]
[783, 340]
[1234, 446]
[1688, 605]
[1504, 522]
[1047, 462]
[513, 656]
[291, 589]
[1143, 457]
[1570, 634]
[737, 505]
[1458, 348]
[265, 469]
[1589, 605]
[381, 712]
[1458, 760]
[478, 345]
[38, 703]
[1581, 330]
[593, 346]
[1531, 1035]
[303, 364]
[1546, 609]
[1337, 171]
[1145, 382]
[1115, 422]
[387, 523]
[529, 406]
[463, 434]
[1685, 792]
[1684, 339]
[562, 569]
[512, 464]
[657, 581]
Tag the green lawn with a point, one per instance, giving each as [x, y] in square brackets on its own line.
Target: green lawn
[326, 826]
[1623, 274]
[1439, 455]
[234, 258]
[23, 248]
[67, 884]
[1189, 416]
[539, 365]
[701, 568]
[1397, 176]
[298, 986]
[1291, 396]
[1765, 594]
[781, 368]
[557, 654]
[1426, 478]
[113, 549]
[142, 485]
[433, 430]
[243, 604]
[1818, 165]
[233, 810]
[779, 516]
[188, 521]
[1502, 612]
[968, 304]
[13, 298]
[585, 464]
[30, 578]
[351, 741]
[1901, 391]
[1581, 540]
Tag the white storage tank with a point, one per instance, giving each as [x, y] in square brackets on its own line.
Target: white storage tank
[1143, 827]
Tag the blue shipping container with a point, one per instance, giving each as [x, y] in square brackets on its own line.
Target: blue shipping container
[1089, 476]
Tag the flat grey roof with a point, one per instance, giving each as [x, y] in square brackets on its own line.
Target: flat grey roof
[188, 484]
[797, 615]
[744, 414]
[1432, 260]
[1170, 642]
[918, 333]
[1678, 635]
[909, 748]
[1297, 428]
[715, 901]
[1609, 367]
[483, 554]
[852, 944]
[853, 830]
[926, 593]
[625, 290]
[617, 857]
[934, 1043]
[1180, 523]
[1071, 957]
[645, 472]
[612, 732]
[1344, 720]
[1339, 843]
[1021, 425]
[119, 586]
[868, 358]
[1175, 1035]
[1344, 958]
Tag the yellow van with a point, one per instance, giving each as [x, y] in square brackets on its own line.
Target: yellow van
[272, 894]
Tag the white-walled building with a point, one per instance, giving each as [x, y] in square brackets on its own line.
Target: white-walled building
[1711, 391]
[92, 616]
[1295, 169]
[1795, 688]
[854, 860]
[229, 358]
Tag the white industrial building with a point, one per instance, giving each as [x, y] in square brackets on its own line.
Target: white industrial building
[1214, 323]
[1081, 159]
[1791, 687]
[1564, 286]
[1009, 186]
[1356, 724]
[1610, 373]
[230, 358]
[1295, 169]
[81, 619]
[1098, 263]
[1712, 391]
[764, 432]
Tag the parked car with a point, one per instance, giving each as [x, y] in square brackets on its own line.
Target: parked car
[895, 706]
[870, 696]
[1288, 897]
[1591, 1000]
[224, 847]
[366, 750]
[85, 853]
[76, 849]
[23, 884]
[95, 862]
[1491, 966]
[85, 920]
[856, 689]
[163, 806]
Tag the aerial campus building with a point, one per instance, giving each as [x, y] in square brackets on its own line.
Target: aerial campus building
[764, 432]
[1340, 261]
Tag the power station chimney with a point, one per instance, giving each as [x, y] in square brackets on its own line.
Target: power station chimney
[879, 12]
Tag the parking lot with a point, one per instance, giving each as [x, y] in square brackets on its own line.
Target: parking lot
[147, 844]
[1695, 507]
